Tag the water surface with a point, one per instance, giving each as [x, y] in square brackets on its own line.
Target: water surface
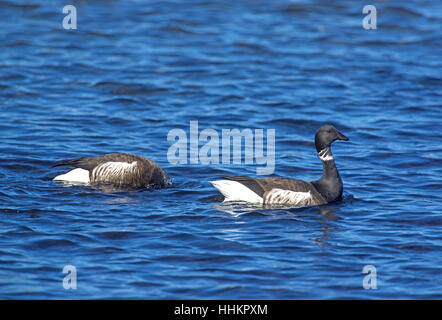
[135, 70]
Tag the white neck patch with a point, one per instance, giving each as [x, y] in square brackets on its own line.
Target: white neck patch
[325, 154]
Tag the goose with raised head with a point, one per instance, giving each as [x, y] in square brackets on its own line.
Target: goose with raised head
[287, 191]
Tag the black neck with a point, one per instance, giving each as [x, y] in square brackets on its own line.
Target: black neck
[330, 184]
[328, 163]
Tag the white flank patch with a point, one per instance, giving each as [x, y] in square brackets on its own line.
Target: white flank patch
[112, 169]
[280, 196]
[235, 191]
[325, 154]
[76, 175]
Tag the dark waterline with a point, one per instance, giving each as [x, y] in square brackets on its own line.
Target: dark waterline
[135, 70]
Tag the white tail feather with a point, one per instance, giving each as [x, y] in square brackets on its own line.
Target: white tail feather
[76, 175]
[235, 191]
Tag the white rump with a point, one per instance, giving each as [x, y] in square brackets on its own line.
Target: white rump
[235, 191]
[76, 175]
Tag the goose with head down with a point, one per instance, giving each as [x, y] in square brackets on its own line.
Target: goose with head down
[287, 191]
[122, 169]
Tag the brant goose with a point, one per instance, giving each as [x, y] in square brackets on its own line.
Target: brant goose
[286, 191]
[121, 169]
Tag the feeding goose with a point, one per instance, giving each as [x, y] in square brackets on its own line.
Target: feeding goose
[122, 169]
[287, 191]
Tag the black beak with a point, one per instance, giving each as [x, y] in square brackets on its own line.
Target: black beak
[341, 136]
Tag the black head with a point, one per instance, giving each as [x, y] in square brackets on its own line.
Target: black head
[326, 135]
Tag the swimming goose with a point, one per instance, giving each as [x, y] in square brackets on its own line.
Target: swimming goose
[121, 169]
[286, 191]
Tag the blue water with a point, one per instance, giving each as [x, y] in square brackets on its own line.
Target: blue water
[134, 70]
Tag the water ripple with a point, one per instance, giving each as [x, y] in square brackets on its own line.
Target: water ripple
[129, 74]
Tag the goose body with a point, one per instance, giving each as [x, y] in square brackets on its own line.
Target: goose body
[121, 169]
[287, 191]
